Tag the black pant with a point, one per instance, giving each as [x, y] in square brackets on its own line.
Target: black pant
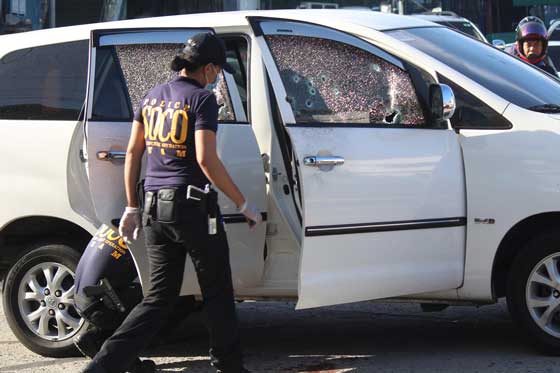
[168, 245]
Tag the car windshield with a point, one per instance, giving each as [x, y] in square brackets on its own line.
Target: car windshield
[505, 75]
[464, 27]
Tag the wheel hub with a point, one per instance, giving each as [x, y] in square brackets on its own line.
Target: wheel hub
[51, 301]
[556, 294]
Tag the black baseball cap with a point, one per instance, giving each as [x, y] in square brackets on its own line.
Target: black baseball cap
[205, 48]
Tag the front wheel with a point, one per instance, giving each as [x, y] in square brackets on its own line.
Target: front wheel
[39, 300]
[533, 291]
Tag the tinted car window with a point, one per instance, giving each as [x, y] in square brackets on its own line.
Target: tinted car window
[110, 98]
[554, 54]
[128, 72]
[505, 75]
[44, 83]
[555, 33]
[331, 82]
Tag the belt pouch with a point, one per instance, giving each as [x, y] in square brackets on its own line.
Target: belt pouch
[166, 209]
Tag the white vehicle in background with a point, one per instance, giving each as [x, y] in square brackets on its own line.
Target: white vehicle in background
[338, 124]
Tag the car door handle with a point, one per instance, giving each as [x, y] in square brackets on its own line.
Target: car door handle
[321, 160]
[106, 155]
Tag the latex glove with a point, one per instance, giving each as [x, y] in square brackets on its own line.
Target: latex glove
[253, 215]
[130, 224]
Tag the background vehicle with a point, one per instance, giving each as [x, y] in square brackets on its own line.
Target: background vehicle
[369, 192]
[454, 21]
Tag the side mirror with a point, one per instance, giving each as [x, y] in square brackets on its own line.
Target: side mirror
[442, 102]
[499, 43]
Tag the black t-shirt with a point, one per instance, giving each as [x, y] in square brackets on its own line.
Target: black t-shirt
[106, 256]
[171, 112]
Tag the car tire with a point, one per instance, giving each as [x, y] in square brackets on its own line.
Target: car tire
[533, 293]
[44, 319]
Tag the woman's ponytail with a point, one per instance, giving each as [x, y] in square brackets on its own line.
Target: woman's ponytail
[179, 63]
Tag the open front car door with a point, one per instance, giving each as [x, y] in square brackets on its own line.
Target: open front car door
[382, 188]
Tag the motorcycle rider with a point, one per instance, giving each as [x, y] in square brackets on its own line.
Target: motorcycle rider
[531, 44]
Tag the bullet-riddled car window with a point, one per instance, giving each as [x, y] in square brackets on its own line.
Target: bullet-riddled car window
[331, 82]
[143, 66]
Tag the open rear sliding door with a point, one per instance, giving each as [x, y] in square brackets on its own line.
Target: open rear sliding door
[124, 65]
[383, 191]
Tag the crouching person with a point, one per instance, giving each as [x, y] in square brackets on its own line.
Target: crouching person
[106, 292]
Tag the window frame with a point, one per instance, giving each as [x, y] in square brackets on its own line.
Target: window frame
[79, 112]
[313, 30]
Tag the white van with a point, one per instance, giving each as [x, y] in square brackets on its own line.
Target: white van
[336, 123]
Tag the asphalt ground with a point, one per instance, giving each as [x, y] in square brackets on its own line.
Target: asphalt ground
[364, 337]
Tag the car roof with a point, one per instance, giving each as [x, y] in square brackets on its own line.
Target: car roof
[374, 20]
[440, 18]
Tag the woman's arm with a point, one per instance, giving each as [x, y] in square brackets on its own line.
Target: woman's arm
[213, 168]
[133, 162]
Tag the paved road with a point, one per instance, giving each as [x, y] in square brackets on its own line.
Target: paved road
[350, 338]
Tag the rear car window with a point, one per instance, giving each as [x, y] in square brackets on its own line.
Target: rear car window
[332, 82]
[45, 82]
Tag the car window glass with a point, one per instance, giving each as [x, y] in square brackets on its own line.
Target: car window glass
[110, 98]
[505, 75]
[331, 82]
[140, 68]
[44, 83]
[237, 57]
[554, 54]
[471, 112]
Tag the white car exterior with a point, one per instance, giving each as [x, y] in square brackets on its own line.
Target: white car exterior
[433, 213]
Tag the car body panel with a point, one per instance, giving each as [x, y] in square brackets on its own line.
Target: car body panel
[506, 186]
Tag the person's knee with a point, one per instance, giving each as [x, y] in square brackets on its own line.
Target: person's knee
[163, 302]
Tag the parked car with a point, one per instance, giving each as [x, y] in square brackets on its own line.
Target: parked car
[337, 127]
[452, 20]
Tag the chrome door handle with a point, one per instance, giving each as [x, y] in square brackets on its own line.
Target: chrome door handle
[319, 160]
[106, 155]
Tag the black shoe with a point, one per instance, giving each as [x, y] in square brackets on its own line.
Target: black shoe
[93, 368]
[143, 366]
[87, 343]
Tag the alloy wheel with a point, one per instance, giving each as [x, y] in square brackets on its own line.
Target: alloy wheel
[46, 301]
[543, 294]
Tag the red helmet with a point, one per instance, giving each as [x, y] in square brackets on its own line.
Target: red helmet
[531, 28]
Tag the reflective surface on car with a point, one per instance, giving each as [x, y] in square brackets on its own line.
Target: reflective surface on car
[505, 75]
[45, 82]
[464, 27]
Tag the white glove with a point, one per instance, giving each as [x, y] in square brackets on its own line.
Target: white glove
[251, 213]
[130, 224]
